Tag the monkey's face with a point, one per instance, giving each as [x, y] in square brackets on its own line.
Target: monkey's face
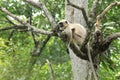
[62, 25]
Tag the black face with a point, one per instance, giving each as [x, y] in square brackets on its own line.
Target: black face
[60, 25]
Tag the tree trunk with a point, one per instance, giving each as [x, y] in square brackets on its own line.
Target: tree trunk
[81, 68]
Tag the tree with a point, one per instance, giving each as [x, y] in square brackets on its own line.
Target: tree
[81, 63]
[75, 16]
[98, 45]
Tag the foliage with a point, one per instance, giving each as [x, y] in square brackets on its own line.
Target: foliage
[15, 53]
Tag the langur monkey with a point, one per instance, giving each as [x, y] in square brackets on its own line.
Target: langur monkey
[76, 33]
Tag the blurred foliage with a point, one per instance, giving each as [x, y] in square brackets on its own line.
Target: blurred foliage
[15, 53]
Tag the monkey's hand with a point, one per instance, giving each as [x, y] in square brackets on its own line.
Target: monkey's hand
[63, 36]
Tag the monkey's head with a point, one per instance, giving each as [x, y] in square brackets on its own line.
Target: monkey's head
[62, 25]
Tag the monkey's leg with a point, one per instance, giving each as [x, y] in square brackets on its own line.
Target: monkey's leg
[67, 50]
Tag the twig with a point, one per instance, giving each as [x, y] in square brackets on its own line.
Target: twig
[43, 7]
[38, 51]
[51, 69]
[92, 14]
[44, 43]
[11, 34]
[33, 59]
[82, 9]
[30, 28]
[36, 42]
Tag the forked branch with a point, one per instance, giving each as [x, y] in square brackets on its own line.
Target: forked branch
[92, 14]
[43, 7]
[104, 44]
[99, 17]
[30, 27]
[80, 8]
[38, 50]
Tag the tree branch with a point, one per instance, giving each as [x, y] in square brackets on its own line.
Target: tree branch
[9, 20]
[30, 27]
[11, 34]
[38, 50]
[94, 7]
[93, 12]
[106, 42]
[43, 7]
[90, 22]
[51, 70]
[99, 17]
[112, 37]
[13, 27]
[80, 8]
[100, 45]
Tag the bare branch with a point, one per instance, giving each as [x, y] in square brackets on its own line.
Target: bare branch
[38, 50]
[112, 37]
[100, 45]
[80, 8]
[99, 17]
[106, 42]
[10, 20]
[93, 10]
[30, 27]
[51, 70]
[108, 8]
[92, 14]
[43, 7]
[44, 43]
[13, 27]
[90, 23]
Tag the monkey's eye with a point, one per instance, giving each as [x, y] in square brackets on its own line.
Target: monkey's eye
[66, 22]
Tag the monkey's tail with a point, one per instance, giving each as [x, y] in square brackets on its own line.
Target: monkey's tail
[91, 62]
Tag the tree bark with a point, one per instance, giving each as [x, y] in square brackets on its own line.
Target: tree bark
[81, 68]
